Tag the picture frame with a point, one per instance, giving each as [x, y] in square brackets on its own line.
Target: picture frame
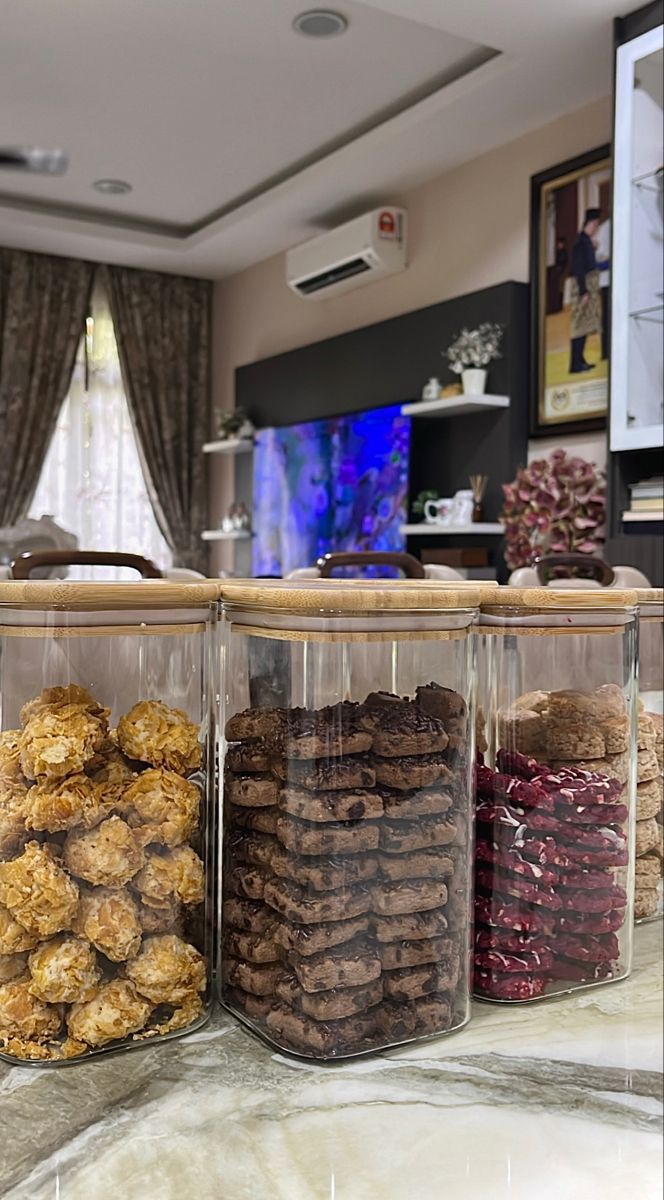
[570, 294]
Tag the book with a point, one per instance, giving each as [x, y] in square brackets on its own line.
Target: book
[647, 489]
[643, 516]
[653, 505]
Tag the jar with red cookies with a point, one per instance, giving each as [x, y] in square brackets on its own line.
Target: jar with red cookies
[105, 816]
[649, 866]
[348, 740]
[554, 856]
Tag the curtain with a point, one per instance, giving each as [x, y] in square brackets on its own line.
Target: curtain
[43, 305]
[162, 325]
[92, 481]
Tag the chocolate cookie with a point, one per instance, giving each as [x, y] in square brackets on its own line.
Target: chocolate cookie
[259, 979]
[311, 939]
[326, 1039]
[408, 983]
[397, 1021]
[351, 965]
[399, 836]
[419, 864]
[406, 729]
[299, 904]
[247, 882]
[256, 1007]
[260, 820]
[408, 927]
[247, 758]
[254, 947]
[330, 806]
[414, 953]
[248, 916]
[416, 895]
[322, 733]
[403, 806]
[501, 986]
[328, 775]
[251, 791]
[442, 702]
[350, 837]
[525, 962]
[321, 874]
[407, 773]
[252, 724]
[333, 1005]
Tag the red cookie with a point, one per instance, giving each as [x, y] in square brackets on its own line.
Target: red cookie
[593, 901]
[582, 972]
[527, 961]
[509, 987]
[578, 792]
[588, 949]
[484, 778]
[602, 838]
[501, 913]
[508, 940]
[594, 814]
[597, 858]
[511, 860]
[543, 850]
[523, 889]
[579, 878]
[513, 763]
[491, 811]
[520, 792]
[589, 923]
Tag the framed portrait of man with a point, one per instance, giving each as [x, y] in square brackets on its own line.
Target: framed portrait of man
[570, 274]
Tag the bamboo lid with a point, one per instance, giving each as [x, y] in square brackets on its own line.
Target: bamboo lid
[96, 596]
[344, 595]
[585, 599]
[650, 595]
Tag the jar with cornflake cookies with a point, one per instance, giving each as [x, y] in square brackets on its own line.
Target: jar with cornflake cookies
[649, 867]
[348, 745]
[105, 815]
[554, 856]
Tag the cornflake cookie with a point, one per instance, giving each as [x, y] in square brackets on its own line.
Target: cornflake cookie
[110, 769]
[167, 970]
[537, 702]
[161, 736]
[59, 697]
[109, 919]
[59, 741]
[10, 754]
[13, 966]
[37, 892]
[169, 875]
[64, 970]
[60, 804]
[13, 813]
[107, 855]
[161, 807]
[114, 1012]
[331, 806]
[14, 938]
[24, 1016]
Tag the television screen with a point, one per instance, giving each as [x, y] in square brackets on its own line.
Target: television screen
[335, 484]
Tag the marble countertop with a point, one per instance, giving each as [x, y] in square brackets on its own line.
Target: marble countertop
[555, 1100]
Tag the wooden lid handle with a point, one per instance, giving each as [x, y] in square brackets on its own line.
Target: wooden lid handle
[23, 567]
[410, 566]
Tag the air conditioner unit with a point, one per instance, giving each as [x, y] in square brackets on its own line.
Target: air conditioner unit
[358, 252]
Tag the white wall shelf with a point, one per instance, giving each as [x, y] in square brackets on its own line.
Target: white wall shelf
[424, 528]
[454, 406]
[229, 446]
[222, 535]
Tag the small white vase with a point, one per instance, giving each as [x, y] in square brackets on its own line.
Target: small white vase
[474, 381]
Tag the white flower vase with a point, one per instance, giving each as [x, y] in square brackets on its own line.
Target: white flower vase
[473, 380]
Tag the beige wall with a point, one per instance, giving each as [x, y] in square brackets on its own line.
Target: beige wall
[468, 229]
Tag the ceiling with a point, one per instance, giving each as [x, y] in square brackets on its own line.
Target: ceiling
[240, 137]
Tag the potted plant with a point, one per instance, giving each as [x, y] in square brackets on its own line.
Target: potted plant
[234, 424]
[555, 505]
[470, 354]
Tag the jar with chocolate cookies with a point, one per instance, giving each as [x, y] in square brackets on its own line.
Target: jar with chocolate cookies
[348, 747]
[105, 815]
[554, 856]
[649, 867]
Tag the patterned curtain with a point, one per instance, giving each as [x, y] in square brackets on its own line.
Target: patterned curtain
[162, 327]
[43, 305]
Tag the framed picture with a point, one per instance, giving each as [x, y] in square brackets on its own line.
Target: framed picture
[570, 272]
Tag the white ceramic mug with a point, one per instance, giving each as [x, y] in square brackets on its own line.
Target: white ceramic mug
[437, 512]
[462, 508]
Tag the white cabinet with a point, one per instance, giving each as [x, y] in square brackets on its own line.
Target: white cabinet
[637, 325]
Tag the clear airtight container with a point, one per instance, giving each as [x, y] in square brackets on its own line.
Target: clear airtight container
[105, 815]
[554, 859]
[648, 883]
[347, 831]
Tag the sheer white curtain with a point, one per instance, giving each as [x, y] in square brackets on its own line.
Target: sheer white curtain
[92, 482]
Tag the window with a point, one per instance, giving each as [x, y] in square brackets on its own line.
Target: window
[92, 481]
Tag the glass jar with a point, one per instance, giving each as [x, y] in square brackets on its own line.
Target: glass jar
[648, 871]
[555, 829]
[105, 815]
[347, 823]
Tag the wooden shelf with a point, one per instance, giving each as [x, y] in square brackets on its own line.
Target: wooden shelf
[454, 406]
[222, 535]
[425, 529]
[229, 446]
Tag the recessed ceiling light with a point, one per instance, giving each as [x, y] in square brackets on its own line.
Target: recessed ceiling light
[320, 23]
[112, 187]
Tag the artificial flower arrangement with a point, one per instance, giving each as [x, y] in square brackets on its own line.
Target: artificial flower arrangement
[555, 505]
[474, 348]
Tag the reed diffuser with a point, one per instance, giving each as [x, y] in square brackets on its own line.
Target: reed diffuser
[478, 484]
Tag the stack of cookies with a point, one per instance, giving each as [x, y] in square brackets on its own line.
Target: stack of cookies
[649, 812]
[345, 873]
